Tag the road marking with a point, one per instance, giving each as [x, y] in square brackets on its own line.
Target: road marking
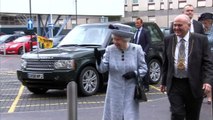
[15, 102]
[158, 99]
[154, 87]
[53, 104]
[155, 93]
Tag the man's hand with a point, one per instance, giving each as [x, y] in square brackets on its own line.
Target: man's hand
[207, 88]
[162, 88]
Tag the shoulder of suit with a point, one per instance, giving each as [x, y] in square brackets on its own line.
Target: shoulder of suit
[197, 35]
[197, 22]
[145, 29]
[170, 36]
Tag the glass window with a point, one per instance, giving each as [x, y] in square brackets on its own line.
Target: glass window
[125, 2]
[181, 3]
[155, 36]
[151, 1]
[201, 3]
[86, 35]
[162, 6]
[135, 1]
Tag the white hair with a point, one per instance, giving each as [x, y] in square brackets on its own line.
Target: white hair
[125, 39]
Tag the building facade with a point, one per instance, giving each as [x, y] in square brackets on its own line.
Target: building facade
[162, 11]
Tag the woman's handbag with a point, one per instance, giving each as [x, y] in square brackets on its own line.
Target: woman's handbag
[139, 88]
[139, 91]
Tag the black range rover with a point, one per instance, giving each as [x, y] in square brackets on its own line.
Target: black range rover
[73, 60]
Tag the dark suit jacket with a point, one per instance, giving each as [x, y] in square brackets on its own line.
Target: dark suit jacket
[145, 39]
[200, 64]
[198, 28]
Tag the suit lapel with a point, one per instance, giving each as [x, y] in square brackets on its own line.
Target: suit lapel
[195, 26]
[141, 34]
[174, 43]
[171, 48]
[190, 47]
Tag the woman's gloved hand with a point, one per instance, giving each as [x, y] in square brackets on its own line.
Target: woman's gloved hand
[97, 56]
[129, 75]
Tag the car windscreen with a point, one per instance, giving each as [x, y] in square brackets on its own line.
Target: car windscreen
[86, 35]
[3, 38]
[21, 39]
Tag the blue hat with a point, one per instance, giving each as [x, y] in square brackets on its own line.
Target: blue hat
[121, 30]
[205, 16]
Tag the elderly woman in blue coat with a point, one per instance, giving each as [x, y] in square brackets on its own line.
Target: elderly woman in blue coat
[124, 61]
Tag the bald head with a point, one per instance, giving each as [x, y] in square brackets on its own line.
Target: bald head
[181, 25]
[183, 18]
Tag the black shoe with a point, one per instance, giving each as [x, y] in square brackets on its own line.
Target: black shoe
[146, 89]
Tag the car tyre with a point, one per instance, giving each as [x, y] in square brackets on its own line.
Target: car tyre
[37, 90]
[20, 51]
[154, 73]
[89, 81]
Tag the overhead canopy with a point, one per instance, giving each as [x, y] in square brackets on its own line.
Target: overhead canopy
[64, 7]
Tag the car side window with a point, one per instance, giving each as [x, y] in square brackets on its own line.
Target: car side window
[155, 36]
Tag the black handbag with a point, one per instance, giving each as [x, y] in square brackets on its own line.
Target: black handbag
[140, 92]
[139, 95]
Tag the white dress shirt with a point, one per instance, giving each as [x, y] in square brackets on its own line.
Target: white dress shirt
[192, 27]
[186, 39]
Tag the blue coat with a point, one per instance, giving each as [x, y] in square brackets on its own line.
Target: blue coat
[119, 101]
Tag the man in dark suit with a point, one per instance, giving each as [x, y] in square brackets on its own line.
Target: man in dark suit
[143, 38]
[187, 70]
[196, 27]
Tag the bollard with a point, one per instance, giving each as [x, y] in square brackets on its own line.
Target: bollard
[4, 48]
[23, 47]
[212, 103]
[72, 100]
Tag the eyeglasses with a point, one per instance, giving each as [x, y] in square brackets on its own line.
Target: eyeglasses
[122, 56]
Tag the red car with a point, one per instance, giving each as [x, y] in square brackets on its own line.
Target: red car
[18, 45]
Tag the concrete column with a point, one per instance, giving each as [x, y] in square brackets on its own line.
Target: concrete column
[39, 25]
[50, 25]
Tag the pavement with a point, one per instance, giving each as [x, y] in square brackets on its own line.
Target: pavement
[153, 110]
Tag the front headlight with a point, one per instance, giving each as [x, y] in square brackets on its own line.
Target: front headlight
[64, 64]
[23, 63]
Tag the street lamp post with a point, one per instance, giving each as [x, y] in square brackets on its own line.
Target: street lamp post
[76, 13]
[168, 13]
[31, 45]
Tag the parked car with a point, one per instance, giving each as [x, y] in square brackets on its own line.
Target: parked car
[165, 31]
[57, 39]
[9, 38]
[18, 45]
[73, 60]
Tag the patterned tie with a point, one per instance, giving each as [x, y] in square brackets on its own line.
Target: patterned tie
[181, 67]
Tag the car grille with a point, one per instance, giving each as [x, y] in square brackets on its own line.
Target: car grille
[38, 65]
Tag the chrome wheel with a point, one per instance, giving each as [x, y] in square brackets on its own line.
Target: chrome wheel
[89, 81]
[154, 71]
